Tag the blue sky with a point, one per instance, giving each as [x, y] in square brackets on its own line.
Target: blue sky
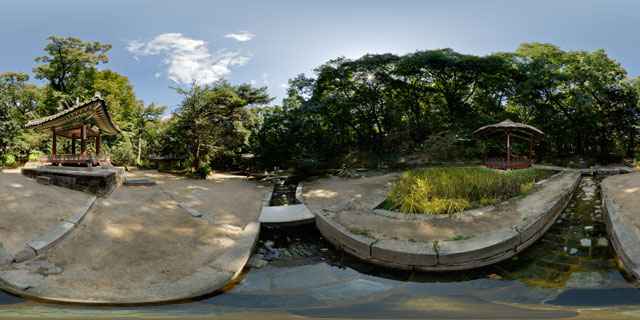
[156, 43]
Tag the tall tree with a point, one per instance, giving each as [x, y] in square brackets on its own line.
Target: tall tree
[69, 69]
[144, 117]
[208, 114]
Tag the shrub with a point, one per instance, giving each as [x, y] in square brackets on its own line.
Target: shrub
[123, 154]
[453, 189]
[34, 155]
[204, 171]
[7, 160]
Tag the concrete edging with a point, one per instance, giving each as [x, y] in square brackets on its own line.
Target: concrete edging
[624, 240]
[451, 255]
[49, 240]
[204, 281]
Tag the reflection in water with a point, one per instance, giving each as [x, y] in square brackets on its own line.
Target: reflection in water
[572, 265]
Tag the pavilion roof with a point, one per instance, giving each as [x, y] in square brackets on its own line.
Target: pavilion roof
[507, 125]
[93, 111]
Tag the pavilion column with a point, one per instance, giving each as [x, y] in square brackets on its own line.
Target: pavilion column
[508, 151]
[83, 140]
[530, 151]
[98, 138]
[485, 152]
[73, 144]
[53, 144]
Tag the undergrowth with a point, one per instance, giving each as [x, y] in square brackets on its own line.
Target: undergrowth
[452, 189]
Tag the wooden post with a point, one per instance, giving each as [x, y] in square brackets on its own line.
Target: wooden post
[508, 151]
[83, 140]
[53, 144]
[73, 144]
[485, 152]
[98, 138]
[530, 150]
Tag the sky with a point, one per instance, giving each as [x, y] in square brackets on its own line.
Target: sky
[158, 44]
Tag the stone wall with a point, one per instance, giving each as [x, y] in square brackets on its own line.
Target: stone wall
[476, 252]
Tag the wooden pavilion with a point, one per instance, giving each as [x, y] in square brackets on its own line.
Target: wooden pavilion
[87, 120]
[511, 130]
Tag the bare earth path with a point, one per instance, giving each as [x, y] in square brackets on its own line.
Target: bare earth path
[138, 244]
[227, 198]
[29, 210]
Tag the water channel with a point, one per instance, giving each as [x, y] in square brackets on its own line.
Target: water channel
[572, 266]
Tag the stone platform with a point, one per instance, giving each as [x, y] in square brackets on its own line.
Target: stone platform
[98, 181]
[286, 215]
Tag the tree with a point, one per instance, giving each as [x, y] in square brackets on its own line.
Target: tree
[144, 116]
[209, 114]
[18, 104]
[69, 69]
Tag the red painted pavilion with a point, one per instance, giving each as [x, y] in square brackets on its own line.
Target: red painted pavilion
[87, 120]
[510, 130]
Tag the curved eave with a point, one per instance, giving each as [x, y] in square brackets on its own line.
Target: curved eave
[96, 114]
[513, 127]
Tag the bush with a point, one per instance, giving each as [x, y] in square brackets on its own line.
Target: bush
[7, 160]
[34, 155]
[122, 154]
[453, 189]
[204, 171]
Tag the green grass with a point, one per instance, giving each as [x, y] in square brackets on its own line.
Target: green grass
[452, 189]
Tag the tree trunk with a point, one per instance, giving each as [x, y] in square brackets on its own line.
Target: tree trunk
[196, 154]
[139, 146]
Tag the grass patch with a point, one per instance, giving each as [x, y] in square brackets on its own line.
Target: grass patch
[453, 189]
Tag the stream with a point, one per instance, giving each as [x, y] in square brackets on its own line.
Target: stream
[573, 265]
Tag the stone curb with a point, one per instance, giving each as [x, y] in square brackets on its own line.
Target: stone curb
[235, 258]
[47, 241]
[197, 214]
[204, 281]
[266, 200]
[624, 240]
[450, 255]
[299, 198]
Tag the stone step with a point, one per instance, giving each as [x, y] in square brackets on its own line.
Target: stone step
[45, 179]
[286, 215]
[139, 182]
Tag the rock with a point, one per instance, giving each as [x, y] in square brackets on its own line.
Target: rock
[256, 261]
[603, 242]
[4, 256]
[269, 244]
[585, 280]
[573, 251]
[585, 242]
[24, 255]
[588, 227]
[20, 279]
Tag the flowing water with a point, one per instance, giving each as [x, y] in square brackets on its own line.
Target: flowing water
[571, 266]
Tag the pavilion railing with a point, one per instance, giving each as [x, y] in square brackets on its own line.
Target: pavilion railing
[501, 163]
[75, 158]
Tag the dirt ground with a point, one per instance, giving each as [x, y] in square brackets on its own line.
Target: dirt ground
[137, 236]
[29, 210]
[324, 193]
[625, 192]
[227, 198]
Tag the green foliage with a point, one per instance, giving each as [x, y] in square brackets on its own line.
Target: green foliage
[448, 190]
[122, 153]
[203, 171]
[211, 118]
[34, 155]
[7, 160]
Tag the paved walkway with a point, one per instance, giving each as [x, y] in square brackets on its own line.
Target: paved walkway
[144, 244]
[621, 197]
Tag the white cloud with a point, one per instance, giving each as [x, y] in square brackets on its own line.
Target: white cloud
[136, 58]
[156, 75]
[189, 59]
[265, 78]
[241, 36]
[283, 85]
